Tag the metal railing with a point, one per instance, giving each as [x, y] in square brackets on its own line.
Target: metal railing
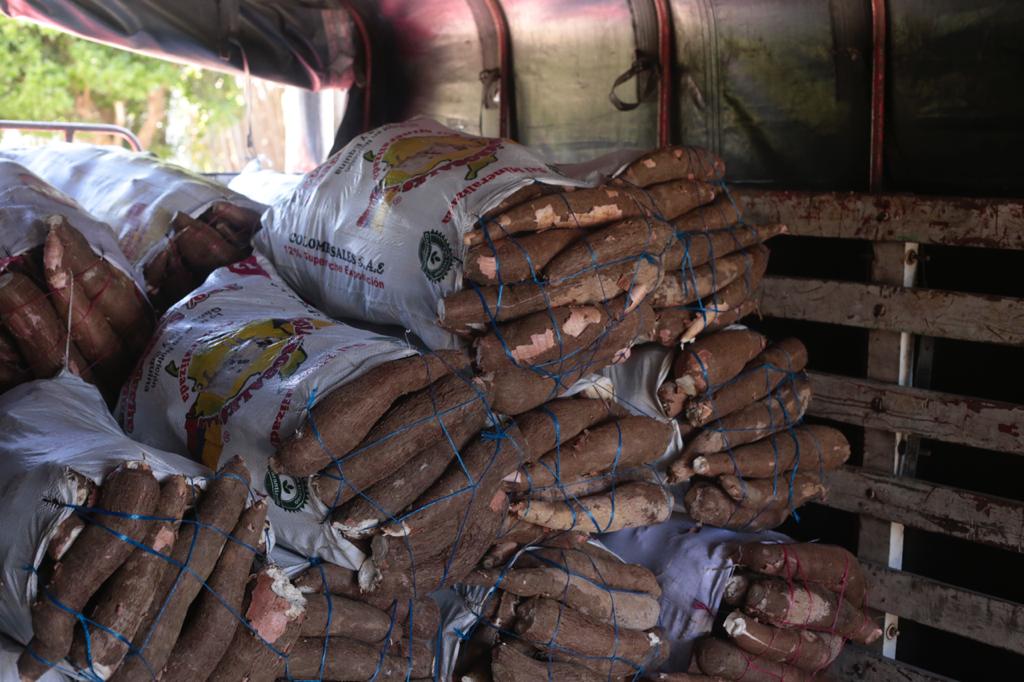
[69, 129]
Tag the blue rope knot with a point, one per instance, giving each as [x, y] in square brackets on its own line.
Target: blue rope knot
[499, 433]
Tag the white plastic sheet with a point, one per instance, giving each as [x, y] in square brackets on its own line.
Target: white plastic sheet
[49, 428]
[135, 193]
[27, 202]
[232, 370]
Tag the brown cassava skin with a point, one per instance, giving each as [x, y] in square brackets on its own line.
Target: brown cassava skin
[683, 324]
[348, 660]
[693, 249]
[13, 369]
[413, 423]
[347, 618]
[208, 631]
[625, 240]
[718, 215]
[683, 677]
[114, 292]
[275, 617]
[217, 510]
[517, 258]
[343, 582]
[587, 208]
[672, 398]
[359, 516]
[680, 288]
[598, 566]
[518, 390]
[548, 340]
[715, 359]
[463, 526]
[548, 624]
[809, 607]
[726, 306]
[803, 649]
[672, 323]
[505, 613]
[522, 533]
[776, 412]
[558, 421]
[627, 506]
[820, 448]
[736, 589]
[728, 661]
[243, 222]
[155, 270]
[706, 503]
[509, 665]
[622, 443]
[172, 281]
[99, 345]
[527, 534]
[345, 416]
[757, 492]
[125, 598]
[202, 247]
[65, 535]
[486, 461]
[471, 311]
[95, 555]
[601, 603]
[607, 668]
[86, 495]
[32, 322]
[570, 488]
[524, 194]
[830, 566]
[671, 163]
[758, 379]
[66, 247]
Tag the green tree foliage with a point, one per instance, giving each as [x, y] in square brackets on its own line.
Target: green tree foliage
[52, 76]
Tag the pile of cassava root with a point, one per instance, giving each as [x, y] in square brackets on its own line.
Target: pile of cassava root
[63, 284]
[195, 247]
[564, 611]
[748, 457]
[412, 461]
[790, 608]
[561, 283]
[181, 574]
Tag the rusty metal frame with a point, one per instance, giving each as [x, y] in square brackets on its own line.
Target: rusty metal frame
[69, 129]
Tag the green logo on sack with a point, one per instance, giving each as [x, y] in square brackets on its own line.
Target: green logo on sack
[290, 494]
[435, 256]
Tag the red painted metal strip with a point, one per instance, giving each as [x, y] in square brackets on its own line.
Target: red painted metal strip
[879, 20]
[666, 61]
[364, 36]
[504, 66]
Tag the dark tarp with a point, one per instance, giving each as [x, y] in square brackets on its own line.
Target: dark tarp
[306, 44]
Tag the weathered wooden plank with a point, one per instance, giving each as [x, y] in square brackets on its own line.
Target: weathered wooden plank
[928, 312]
[986, 424]
[881, 541]
[985, 519]
[945, 607]
[856, 664]
[951, 221]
